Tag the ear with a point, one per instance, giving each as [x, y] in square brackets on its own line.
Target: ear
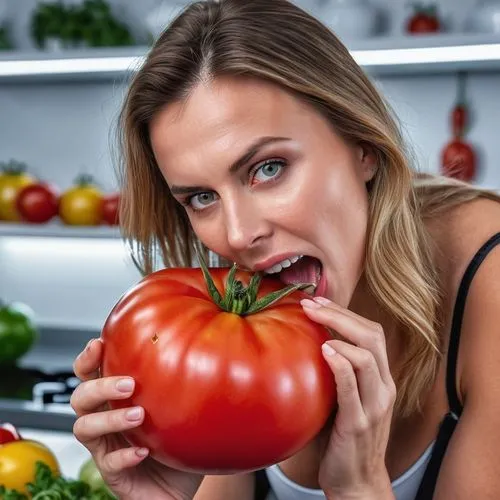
[367, 161]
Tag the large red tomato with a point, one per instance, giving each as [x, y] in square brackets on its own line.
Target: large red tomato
[38, 203]
[223, 392]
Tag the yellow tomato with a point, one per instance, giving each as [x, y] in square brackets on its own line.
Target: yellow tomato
[17, 463]
[10, 185]
[81, 205]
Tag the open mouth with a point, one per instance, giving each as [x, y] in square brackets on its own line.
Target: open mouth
[300, 269]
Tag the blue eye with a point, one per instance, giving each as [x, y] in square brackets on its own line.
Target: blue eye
[270, 169]
[202, 199]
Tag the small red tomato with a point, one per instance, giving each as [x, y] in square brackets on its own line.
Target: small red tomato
[38, 203]
[424, 20]
[8, 433]
[110, 206]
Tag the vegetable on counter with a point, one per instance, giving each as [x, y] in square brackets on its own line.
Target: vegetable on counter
[230, 381]
[81, 205]
[47, 485]
[12, 179]
[17, 463]
[90, 474]
[8, 433]
[18, 332]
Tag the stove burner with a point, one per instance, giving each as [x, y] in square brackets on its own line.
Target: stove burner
[37, 386]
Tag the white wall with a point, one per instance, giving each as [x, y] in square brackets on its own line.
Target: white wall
[60, 129]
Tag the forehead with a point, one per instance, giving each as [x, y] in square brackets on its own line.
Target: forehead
[221, 118]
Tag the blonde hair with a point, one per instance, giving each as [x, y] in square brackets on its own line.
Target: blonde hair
[278, 42]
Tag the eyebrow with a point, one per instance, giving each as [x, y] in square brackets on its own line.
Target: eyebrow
[236, 166]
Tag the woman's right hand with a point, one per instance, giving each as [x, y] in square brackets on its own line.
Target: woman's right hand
[127, 470]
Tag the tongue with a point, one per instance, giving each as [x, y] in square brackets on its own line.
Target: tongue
[305, 270]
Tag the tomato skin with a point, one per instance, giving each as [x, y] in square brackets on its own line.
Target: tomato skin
[6, 436]
[81, 205]
[222, 393]
[8, 433]
[458, 160]
[38, 203]
[10, 185]
[17, 463]
[110, 206]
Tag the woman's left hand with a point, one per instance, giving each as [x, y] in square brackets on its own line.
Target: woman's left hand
[353, 465]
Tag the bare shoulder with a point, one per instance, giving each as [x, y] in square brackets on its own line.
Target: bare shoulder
[460, 234]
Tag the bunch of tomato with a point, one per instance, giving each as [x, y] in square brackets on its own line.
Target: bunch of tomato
[24, 198]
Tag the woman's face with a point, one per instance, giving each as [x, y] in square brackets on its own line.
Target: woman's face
[264, 179]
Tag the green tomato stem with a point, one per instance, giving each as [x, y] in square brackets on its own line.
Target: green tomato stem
[242, 300]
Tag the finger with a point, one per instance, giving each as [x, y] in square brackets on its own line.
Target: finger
[114, 462]
[90, 428]
[348, 398]
[86, 365]
[367, 373]
[354, 329]
[91, 395]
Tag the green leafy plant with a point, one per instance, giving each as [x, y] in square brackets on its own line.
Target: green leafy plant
[48, 486]
[91, 23]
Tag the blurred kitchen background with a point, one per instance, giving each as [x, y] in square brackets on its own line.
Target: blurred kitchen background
[63, 73]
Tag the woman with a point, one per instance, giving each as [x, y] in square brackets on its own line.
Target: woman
[251, 131]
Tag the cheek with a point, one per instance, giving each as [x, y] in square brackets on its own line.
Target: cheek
[211, 232]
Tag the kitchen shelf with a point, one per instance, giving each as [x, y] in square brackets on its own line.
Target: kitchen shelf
[53, 230]
[71, 65]
[379, 55]
[424, 54]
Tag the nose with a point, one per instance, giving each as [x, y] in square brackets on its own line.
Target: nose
[245, 226]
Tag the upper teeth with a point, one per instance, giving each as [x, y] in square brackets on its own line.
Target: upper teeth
[281, 265]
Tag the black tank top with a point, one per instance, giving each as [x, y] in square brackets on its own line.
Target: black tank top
[449, 422]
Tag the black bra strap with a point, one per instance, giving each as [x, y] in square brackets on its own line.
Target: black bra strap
[428, 483]
[456, 326]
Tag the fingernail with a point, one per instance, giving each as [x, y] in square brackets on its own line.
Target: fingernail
[125, 385]
[134, 413]
[322, 300]
[328, 350]
[87, 348]
[309, 304]
[142, 452]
